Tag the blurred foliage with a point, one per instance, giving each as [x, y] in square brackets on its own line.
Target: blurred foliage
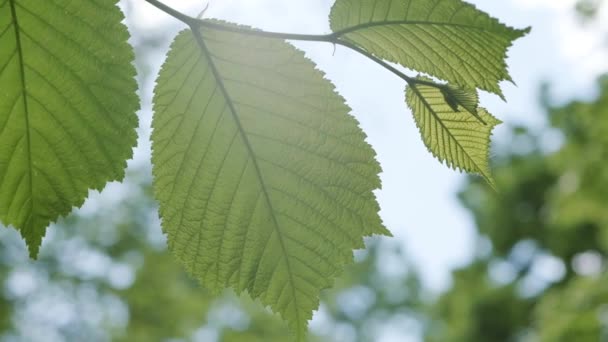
[540, 270]
[381, 289]
[104, 274]
[588, 9]
[578, 312]
[467, 312]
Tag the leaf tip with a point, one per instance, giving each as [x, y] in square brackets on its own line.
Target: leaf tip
[33, 245]
[386, 232]
[490, 181]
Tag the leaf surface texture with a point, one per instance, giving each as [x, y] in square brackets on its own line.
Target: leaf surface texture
[448, 39]
[264, 180]
[67, 107]
[455, 131]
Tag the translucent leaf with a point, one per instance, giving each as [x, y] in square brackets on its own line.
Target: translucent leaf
[264, 179]
[67, 107]
[459, 136]
[457, 97]
[449, 39]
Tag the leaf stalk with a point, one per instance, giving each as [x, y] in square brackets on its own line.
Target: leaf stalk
[333, 38]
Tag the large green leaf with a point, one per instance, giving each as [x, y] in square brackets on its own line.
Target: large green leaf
[454, 130]
[264, 179]
[67, 107]
[449, 39]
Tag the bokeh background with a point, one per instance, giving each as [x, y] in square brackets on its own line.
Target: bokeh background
[467, 264]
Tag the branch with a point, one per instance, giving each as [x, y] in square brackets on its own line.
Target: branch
[333, 38]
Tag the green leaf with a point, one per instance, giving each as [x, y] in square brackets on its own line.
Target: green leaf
[67, 107]
[448, 39]
[264, 180]
[459, 137]
[457, 97]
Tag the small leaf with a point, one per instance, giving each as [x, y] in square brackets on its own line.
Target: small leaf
[457, 97]
[449, 39]
[450, 99]
[458, 138]
[264, 180]
[67, 107]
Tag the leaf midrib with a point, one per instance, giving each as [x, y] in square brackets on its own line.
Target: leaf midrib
[25, 106]
[428, 105]
[216, 74]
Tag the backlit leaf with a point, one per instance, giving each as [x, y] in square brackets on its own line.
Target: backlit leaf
[67, 107]
[264, 180]
[449, 39]
[460, 138]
